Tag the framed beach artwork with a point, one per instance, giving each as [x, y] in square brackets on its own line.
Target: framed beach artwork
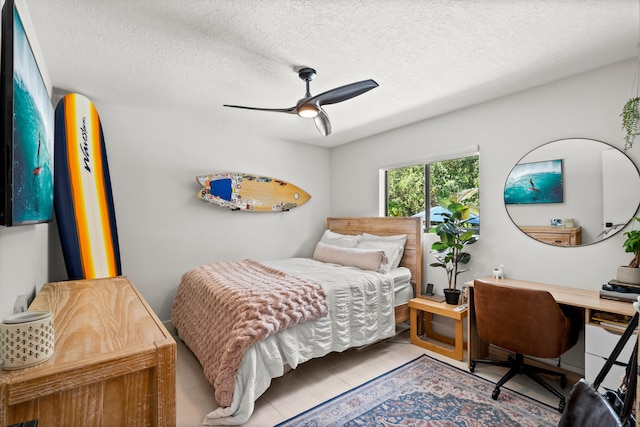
[26, 150]
[536, 182]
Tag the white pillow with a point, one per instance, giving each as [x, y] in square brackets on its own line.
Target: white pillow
[399, 239]
[365, 259]
[392, 251]
[342, 240]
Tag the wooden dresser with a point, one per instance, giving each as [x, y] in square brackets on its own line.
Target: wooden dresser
[113, 362]
[559, 236]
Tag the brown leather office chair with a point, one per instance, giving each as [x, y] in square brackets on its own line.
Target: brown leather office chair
[526, 322]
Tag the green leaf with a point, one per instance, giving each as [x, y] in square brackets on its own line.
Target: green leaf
[439, 246]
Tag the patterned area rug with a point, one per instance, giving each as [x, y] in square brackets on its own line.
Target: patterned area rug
[426, 392]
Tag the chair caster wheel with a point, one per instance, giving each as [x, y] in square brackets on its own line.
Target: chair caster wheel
[472, 367]
[495, 394]
[561, 406]
[563, 382]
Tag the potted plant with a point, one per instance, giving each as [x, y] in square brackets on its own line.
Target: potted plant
[455, 233]
[630, 121]
[631, 273]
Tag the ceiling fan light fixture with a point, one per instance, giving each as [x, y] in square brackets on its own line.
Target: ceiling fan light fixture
[308, 111]
[310, 107]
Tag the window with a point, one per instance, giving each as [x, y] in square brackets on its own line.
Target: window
[424, 189]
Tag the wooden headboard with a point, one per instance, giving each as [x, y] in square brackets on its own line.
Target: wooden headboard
[383, 226]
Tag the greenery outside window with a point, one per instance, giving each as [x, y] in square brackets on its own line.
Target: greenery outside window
[422, 189]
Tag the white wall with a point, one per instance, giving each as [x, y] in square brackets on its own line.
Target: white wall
[164, 230]
[24, 254]
[586, 106]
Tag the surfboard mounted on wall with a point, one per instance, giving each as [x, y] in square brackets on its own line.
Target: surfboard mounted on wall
[83, 201]
[247, 192]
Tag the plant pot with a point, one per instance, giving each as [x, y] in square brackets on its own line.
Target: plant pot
[628, 275]
[452, 296]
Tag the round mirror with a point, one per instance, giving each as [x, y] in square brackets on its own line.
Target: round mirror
[573, 192]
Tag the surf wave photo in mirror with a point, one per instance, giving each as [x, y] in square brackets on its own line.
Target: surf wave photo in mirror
[536, 182]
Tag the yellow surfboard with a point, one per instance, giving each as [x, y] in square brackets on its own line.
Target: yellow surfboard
[248, 192]
[82, 192]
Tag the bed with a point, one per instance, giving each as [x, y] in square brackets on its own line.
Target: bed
[296, 309]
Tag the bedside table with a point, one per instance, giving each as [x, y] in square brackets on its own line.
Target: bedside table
[425, 309]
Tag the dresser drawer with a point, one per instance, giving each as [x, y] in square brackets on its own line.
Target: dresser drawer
[601, 342]
[598, 345]
[559, 236]
[557, 239]
[592, 366]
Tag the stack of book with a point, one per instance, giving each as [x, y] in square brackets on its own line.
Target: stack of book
[620, 291]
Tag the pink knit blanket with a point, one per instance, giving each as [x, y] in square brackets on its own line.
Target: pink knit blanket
[222, 308]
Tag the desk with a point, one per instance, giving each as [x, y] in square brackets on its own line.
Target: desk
[595, 308]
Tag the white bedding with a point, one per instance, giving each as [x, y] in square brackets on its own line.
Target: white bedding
[361, 311]
[402, 287]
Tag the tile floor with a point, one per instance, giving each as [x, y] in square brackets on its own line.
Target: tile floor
[319, 380]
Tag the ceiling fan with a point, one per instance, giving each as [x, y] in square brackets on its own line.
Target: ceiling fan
[311, 106]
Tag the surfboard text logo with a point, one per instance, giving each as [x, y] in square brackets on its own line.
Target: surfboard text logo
[84, 146]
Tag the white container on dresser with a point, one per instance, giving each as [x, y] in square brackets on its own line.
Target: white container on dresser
[599, 343]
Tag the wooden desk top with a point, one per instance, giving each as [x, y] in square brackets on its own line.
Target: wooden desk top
[569, 296]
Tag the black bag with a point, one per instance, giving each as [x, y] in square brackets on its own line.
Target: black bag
[588, 408]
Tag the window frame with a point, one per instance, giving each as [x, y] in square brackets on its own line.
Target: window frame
[468, 151]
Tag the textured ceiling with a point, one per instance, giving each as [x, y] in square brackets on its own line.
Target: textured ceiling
[429, 57]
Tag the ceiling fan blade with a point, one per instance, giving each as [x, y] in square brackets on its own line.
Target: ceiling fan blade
[275, 110]
[343, 93]
[322, 122]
